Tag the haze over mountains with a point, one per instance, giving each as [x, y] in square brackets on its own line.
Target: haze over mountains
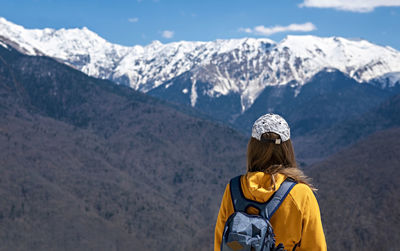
[75, 150]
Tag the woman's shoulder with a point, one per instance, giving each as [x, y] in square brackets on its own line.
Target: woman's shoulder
[302, 194]
[302, 188]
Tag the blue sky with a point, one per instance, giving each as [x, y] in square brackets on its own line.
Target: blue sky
[142, 21]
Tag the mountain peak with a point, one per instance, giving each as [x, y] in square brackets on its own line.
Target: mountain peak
[241, 66]
[155, 43]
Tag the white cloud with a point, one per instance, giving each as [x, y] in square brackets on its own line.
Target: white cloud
[247, 30]
[168, 34]
[350, 5]
[266, 31]
[133, 19]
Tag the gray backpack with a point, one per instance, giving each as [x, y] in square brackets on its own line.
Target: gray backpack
[244, 232]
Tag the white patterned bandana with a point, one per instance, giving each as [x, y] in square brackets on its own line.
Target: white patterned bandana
[271, 123]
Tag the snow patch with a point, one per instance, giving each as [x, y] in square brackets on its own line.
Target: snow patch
[193, 93]
[389, 79]
[3, 44]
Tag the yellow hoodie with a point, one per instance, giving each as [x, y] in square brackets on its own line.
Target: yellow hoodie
[297, 222]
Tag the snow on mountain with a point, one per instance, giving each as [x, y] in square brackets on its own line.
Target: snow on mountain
[81, 48]
[388, 80]
[243, 66]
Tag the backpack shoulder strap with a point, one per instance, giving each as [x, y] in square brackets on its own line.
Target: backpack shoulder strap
[238, 200]
[279, 196]
[240, 203]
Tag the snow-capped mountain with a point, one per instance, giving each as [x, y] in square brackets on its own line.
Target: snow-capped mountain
[244, 67]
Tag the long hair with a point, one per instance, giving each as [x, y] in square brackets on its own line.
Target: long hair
[266, 156]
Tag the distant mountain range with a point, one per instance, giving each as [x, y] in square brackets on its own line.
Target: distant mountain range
[223, 78]
[89, 165]
[359, 193]
[325, 141]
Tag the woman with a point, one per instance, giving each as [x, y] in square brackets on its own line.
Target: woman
[270, 160]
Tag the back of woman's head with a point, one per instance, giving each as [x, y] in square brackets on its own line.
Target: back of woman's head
[270, 149]
[265, 156]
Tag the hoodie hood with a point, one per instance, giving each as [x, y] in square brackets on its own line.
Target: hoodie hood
[260, 185]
